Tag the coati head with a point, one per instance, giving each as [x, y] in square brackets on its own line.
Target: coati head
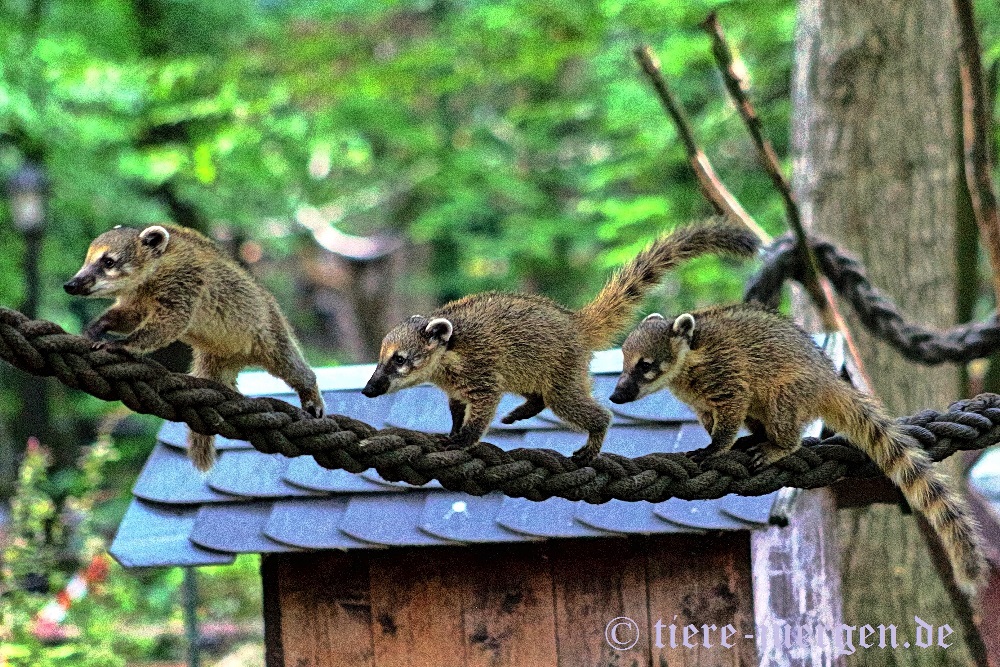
[409, 355]
[653, 356]
[118, 261]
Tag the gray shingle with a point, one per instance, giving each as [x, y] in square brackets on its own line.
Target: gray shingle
[236, 527]
[422, 408]
[465, 518]
[372, 411]
[700, 514]
[756, 509]
[619, 515]
[169, 477]
[311, 523]
[392, 520]
[154, 535]
[304, 472]
[250, 473]
[555, 517]
[661, 406]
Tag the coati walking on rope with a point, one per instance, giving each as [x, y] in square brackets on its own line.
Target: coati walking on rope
[743, 364]
[171, 283]
[481, 346]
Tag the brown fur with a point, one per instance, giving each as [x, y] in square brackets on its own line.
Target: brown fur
[479, 347]
[184, 288]
[746, 365]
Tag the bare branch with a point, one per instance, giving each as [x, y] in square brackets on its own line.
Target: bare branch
[818, 288]
[976, 123]
[712, 187]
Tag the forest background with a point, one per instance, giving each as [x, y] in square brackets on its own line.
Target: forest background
[504, 145]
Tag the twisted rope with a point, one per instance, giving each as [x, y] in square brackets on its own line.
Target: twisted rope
[876, 311]
[338, 442]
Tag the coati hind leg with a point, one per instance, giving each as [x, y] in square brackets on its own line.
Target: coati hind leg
[575, 405]
[201, 448]
[533, 404]
[784, 431]
[457, 410]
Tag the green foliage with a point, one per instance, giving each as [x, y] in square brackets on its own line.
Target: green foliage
[46, 546]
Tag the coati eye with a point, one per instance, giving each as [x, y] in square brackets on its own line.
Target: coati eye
[107, 262]
[398, 359]
[642, 366]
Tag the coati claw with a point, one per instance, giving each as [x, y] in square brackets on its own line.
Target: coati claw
[108, 345]
[313, 410]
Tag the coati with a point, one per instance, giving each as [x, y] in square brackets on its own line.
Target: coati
[743, 364]
[481, 346]
[171, 283]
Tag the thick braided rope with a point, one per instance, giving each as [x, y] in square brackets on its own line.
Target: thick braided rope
[877, 312]
[338, 442]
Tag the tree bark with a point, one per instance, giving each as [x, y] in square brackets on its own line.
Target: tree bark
[875, 129]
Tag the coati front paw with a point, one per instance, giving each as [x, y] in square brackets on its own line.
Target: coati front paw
[314, 410]
[109, 345]
[94, 332]
[584, 455]
[312, 403]
[453, 442]
[767, 453]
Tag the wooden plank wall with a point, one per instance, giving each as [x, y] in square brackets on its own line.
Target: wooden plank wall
[529, 604]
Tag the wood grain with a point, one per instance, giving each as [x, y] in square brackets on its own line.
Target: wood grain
[702, 580]
[416, 598]
[596, 581]
[508, 614]
[325, 609]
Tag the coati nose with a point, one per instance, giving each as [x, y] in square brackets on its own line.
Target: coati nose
[74, 286]
[376, 387]
[626, 391]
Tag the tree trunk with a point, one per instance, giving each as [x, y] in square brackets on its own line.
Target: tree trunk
[875, 127]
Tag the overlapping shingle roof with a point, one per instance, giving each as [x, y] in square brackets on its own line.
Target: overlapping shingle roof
[258, 503]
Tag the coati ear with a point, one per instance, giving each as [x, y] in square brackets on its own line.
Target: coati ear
[439, 329]
[684, 325]
[155, 238]
[652, 317]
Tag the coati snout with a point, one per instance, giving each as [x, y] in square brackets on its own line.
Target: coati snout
[409, 355]
[652, 355]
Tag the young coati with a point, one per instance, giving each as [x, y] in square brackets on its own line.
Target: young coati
[743, 364]
[171, 283]
[479, 347]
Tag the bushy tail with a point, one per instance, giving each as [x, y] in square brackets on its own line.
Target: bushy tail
[926, 489]
[608, 314]
[201, 450]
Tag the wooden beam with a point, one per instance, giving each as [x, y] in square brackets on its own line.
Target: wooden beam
[325, 609]
[702, 581]
[595, 581]
[507, 610]
[416, 612]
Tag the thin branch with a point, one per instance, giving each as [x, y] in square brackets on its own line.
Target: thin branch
[976, 125]
[819, 289]
[712, 187]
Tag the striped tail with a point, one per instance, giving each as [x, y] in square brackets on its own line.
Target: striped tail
[610, 312]
[926, 489]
